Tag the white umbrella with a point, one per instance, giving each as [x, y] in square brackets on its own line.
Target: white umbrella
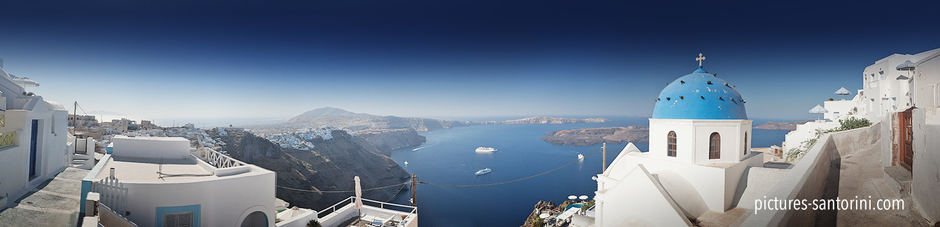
[906, 66]
[818, 110]
[572, 197]
[358, 193]
[583, 197]
[843, 91]
[543, 215]
[24, 81]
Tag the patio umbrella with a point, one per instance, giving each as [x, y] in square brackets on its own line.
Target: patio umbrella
[817, 110]
[583, 197]
[358, 197]
[572, 197]
[906, 66]
[843, 91]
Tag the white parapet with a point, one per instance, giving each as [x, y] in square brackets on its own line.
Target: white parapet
[151, 147]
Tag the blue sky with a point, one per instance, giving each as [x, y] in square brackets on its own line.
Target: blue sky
[170, 60]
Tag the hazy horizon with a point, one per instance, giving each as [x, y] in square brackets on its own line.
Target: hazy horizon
[170, 61]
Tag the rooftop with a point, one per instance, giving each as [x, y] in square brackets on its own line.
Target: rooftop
[699, 95]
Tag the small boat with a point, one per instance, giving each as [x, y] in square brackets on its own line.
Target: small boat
[581, 157]
[483, 172]
[406, 163]
[485, 149]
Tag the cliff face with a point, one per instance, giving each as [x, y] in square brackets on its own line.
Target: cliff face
[330, 166]
[390, 140]
[770, 125]
[340, 118]
[591, 136]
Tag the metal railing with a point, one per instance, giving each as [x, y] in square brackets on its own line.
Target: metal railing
[217, 159]
[332, 209]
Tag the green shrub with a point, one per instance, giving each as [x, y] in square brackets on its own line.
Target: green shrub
[854, 123]
[313, 223]
[538, 222]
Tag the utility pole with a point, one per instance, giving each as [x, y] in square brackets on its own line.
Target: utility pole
[604, 157]
[414, 178]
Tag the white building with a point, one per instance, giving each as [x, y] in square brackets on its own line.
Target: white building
[925, 131]
[699, 153]
[888, 89]
[161, 181]
[32, 138]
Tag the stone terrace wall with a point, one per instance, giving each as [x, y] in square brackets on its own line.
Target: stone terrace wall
[817, 176]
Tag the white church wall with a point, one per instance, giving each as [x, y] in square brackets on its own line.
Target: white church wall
[732, 139]
[644, 194]
[685, 139]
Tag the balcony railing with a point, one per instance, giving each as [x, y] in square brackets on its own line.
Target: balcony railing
[216, 159]
[411, 210]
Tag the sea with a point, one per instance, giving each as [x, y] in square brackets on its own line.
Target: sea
[448, 159]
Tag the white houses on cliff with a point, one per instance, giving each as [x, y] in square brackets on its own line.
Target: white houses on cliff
[32, 138]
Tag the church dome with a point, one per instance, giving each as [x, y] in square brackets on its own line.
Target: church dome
[699, 95]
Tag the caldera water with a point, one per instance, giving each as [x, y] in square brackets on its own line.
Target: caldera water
[448, 157]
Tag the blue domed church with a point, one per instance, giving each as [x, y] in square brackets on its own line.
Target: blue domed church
[699, 156]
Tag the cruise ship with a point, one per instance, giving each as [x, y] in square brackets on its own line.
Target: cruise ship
[483, 171]
[485, 149]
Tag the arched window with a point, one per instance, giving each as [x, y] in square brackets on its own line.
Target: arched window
[671, 144]
[254, 219]
[714, 146]
[745, 143]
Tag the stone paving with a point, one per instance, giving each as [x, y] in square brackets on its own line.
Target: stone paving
[53, 203]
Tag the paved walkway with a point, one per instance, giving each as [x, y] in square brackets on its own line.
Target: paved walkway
[55, 203]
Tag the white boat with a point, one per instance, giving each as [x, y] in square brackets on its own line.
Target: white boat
[483, 171]
[581, 157]
[485, 149]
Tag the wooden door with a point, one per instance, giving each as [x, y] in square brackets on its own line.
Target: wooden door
[905, 144]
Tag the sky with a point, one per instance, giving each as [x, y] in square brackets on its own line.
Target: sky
[175, 61]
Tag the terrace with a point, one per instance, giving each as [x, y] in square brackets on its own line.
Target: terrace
[373, 214]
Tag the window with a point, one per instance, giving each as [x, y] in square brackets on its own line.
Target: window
[178, 219]
[745, 143]
[671, 144]
[714, 146]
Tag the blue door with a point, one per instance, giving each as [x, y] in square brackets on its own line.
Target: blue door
[34, 133]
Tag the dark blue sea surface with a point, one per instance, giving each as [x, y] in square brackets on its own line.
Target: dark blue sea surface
[448, 157]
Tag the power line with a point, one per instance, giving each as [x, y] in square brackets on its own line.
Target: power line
[344, 191]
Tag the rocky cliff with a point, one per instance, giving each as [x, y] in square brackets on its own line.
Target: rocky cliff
[770, 125]
[388, 140]
[343, 119]
[592, 136]
[330, 166]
